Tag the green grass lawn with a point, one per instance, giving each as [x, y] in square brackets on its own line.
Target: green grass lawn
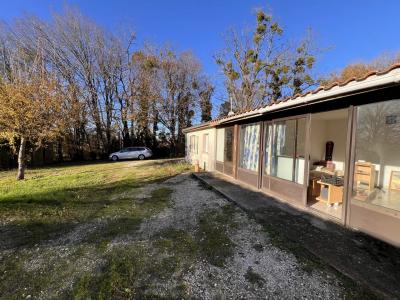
[68, 193]
[38, 215]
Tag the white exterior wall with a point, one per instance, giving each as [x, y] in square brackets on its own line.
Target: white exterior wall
[329, 130]
[206, 160]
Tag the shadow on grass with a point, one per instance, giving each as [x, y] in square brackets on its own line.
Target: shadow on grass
[72, 164]
[59, 197]
[45, 216]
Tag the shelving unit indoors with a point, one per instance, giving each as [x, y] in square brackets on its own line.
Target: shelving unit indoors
[364, 180]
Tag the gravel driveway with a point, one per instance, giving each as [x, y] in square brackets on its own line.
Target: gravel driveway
[256, 268]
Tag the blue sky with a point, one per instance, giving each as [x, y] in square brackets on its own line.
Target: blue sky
[353, 30]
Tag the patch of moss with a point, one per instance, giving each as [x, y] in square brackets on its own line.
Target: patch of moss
[253, 277]
[137, 271]
[113, 229]
[28, 234]
[129, 216]
[258, 247]
[214, 243]
[159, 200]
[310, 263]
[130, 272]
[18, 281]
[176, 241]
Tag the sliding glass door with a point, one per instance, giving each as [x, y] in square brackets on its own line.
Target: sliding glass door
[288, 150]
[249, 146]
[249, 153]
[375, 195]
[228, 150]
[284, 157]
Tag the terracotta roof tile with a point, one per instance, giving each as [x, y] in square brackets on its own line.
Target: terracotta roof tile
[347, 81]
[367, 75]
[313, 92]
[329, 87]
[317, 90]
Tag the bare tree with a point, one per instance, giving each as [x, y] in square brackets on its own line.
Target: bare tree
[114, 95]
[360, 69]
[260, 66]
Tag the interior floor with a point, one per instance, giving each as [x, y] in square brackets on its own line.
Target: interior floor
[389, 199]
[327, 162]
[332, 210]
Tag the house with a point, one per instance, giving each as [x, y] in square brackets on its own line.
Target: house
[334, 151]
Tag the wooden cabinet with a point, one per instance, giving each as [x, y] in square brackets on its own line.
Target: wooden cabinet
[314, 188]
[364, 180]
[330, 193]
[365, 175]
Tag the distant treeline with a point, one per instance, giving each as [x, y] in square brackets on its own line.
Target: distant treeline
[71, 90]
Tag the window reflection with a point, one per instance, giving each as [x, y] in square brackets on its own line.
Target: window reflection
[288, 150]
[377, 161]
[229, 144]
[220, 144]
[267, 150]
[249, 146]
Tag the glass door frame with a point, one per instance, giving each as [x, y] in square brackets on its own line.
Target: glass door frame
[266, 179]
[387, 219]
[349, 156]
[350, 160]
[229, 166]
[248, 176]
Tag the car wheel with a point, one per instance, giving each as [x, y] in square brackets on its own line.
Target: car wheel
[114, 158]
[141, 157]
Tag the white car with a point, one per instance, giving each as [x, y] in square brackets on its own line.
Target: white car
[131, 152]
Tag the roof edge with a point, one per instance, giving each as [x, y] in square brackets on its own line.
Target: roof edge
[371, 80]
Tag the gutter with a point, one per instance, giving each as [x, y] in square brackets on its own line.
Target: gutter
[198, 127]
[375, 81]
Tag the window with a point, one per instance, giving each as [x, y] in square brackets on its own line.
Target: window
[300, 151]
[193, 144]
[288, 150]
[267, 148]
[249, 146]
[196, 145]
[228, 144]
[205, 143]
[283, 149]
[220, 144]
[377, 156]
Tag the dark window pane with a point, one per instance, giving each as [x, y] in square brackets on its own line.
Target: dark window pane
[229, 144]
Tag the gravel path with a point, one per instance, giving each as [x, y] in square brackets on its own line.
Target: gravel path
[278, 274]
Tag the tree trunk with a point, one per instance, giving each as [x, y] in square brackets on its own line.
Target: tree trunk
[21, 160]
[60, 156]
